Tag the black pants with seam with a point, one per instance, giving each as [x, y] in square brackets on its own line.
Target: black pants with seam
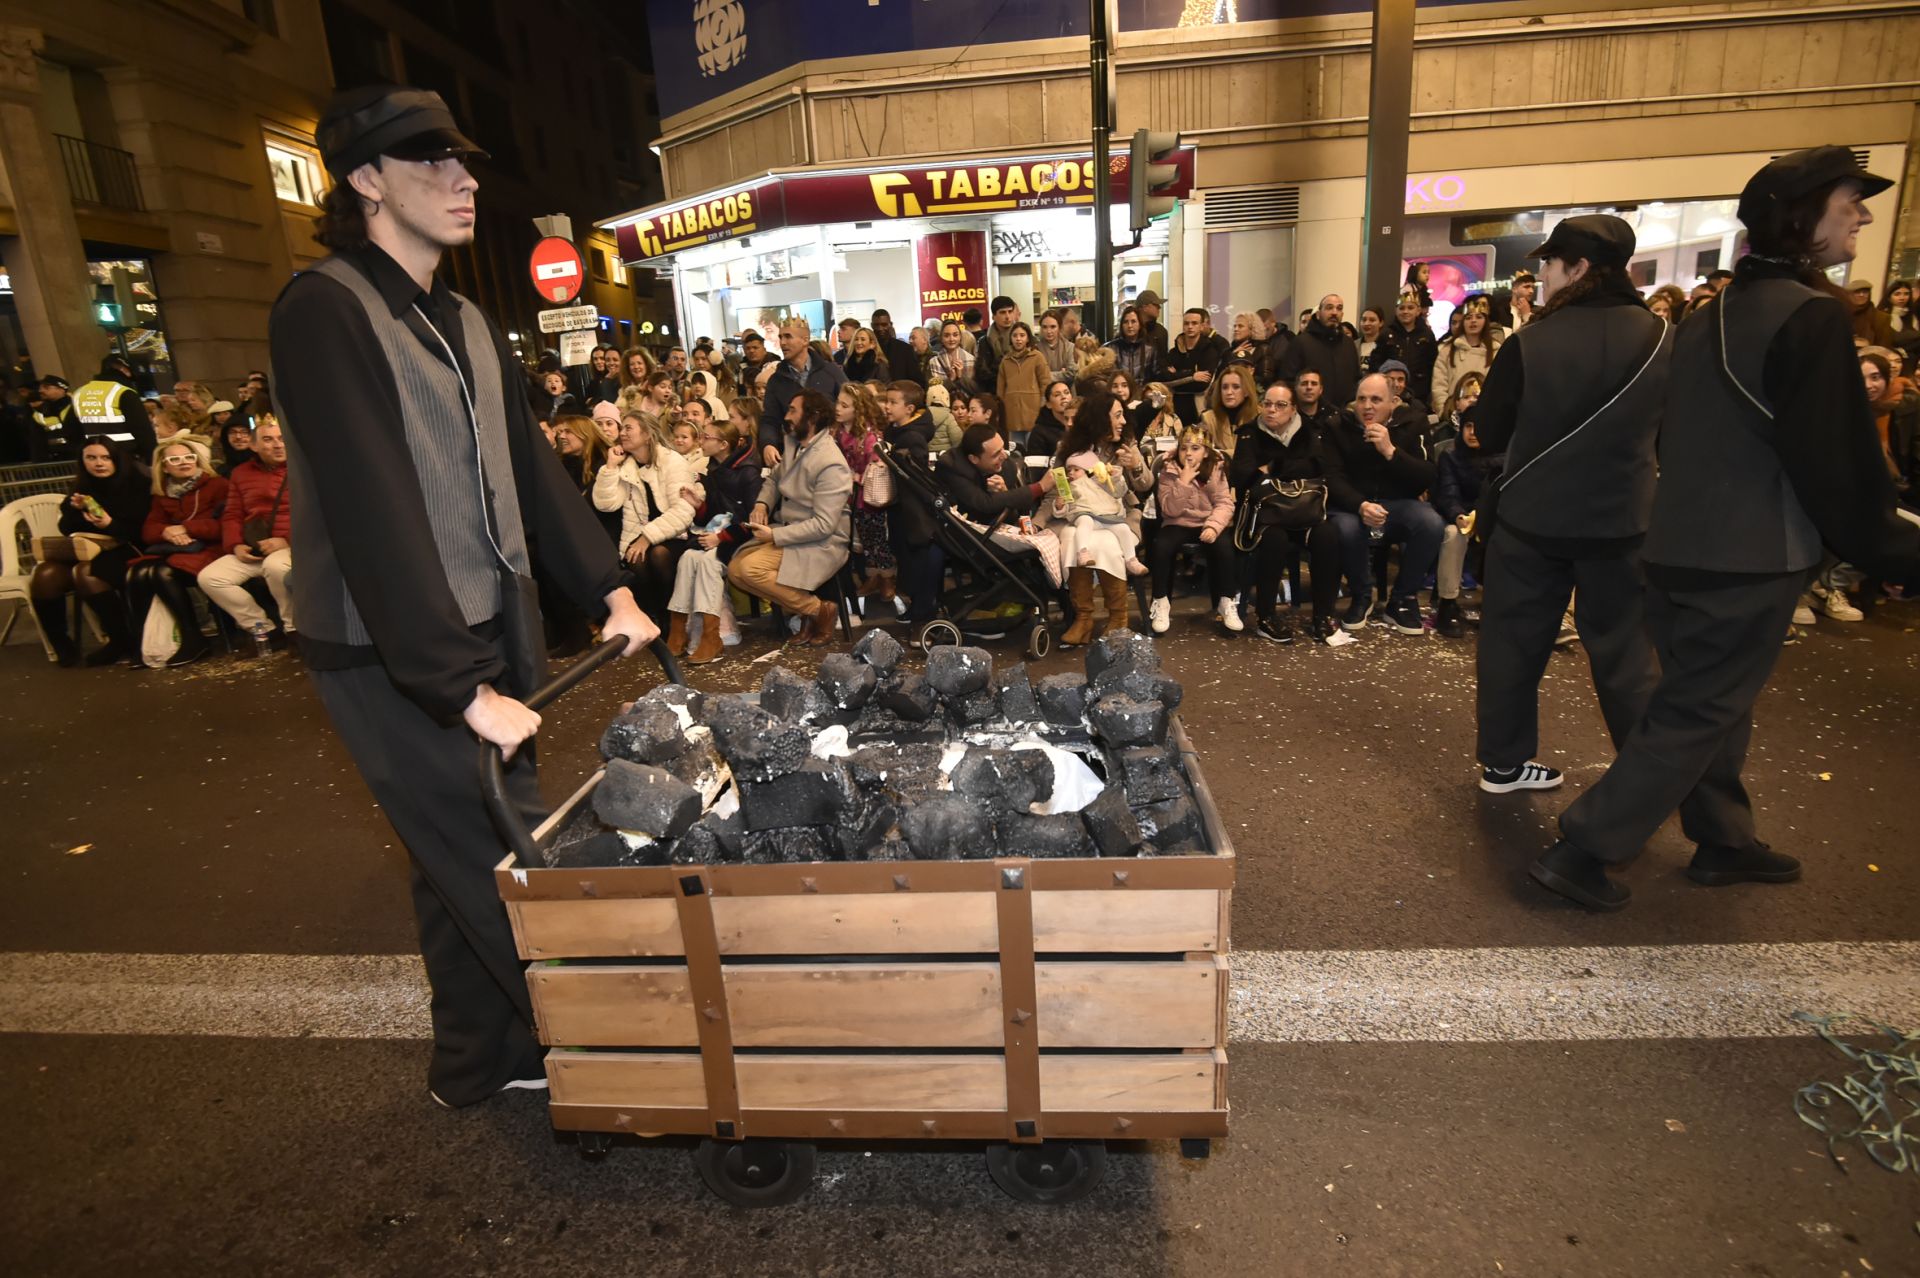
[1165, 545]
[426, 779]
[1268, 560]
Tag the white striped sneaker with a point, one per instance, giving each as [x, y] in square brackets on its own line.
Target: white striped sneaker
[1528, 776]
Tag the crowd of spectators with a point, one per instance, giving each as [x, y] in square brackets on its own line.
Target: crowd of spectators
[1282, 470]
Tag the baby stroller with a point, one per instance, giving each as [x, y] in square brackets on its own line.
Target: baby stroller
[997, 590]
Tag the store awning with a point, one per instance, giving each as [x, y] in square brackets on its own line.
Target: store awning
[820, 197]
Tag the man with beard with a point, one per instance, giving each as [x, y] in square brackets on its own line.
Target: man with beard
[1324, 347]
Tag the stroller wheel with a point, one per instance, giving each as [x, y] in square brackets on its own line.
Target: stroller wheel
[1039, 641]
[939, 634]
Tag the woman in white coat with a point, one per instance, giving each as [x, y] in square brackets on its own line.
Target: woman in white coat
[643, 480]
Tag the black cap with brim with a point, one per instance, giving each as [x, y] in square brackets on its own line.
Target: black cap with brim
[408, 124]
[1600, 238]
[1799, 173]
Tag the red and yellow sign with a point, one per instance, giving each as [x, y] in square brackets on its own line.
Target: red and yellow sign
[953, 274]
[702, 222]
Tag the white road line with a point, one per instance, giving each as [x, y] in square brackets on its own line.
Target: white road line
[1341, 996]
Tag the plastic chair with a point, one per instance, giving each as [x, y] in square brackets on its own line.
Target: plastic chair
[21, 521]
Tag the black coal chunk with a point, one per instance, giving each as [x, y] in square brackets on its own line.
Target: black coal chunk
[602, 848]
[794, 699]
[691, 766]
[1166, 824]
[958, 672]
[650, 800]
[973, 709]
[1127, 649]
[1111, 823]
[1054, 834]
[1008, 780]
[1119, 720]
[1063, 699]
[790, 846]
[759, 746]
[1013, 689]
[700, 845]
[910, 697]
[678, 694]
[878, 649]
[1149, 775]
[846, 681]
[648, 733]
[949, 826]
[1141, 685]
[858, 842]
[910, 771]
[815, 793]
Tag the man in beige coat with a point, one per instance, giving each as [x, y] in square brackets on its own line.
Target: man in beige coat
[799, 525]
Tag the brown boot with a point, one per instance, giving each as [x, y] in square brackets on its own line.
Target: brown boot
[677, 633]
[820, 631]
[709, 648]
[1119, 598]
[1080, 590]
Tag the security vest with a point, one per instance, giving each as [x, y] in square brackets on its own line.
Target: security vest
[102, 406]
[58, 430]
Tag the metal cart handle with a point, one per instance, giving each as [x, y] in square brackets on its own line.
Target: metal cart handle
[493, 776]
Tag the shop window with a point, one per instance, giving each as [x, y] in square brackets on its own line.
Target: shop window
[597, 263]
[1247, 270]
[296, 171]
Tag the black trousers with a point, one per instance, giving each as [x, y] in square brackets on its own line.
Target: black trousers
[1525, 597]
[426, 778]
[1717, 650]
[1278, 546]
[1165, 544]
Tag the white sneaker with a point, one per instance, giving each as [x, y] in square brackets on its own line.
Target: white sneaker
[1803, 611]
[1528, 776]
[1230, 616]
[1841, 608]
[1160, 615]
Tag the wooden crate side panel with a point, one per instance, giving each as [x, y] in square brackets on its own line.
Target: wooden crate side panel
[613, 1006]
[866, 1005]
[646, 928]
[1120, 921]
[929, 1084]
[904, 923]
[1128, 1004]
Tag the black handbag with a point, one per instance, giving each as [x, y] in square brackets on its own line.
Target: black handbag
[260, 527]
[1287, 504]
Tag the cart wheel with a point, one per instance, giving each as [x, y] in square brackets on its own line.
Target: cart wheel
[756, 1173]
[939, 634]
[594, 1144]
[1039, 641]
[1052, 1172]
[1195, 1147]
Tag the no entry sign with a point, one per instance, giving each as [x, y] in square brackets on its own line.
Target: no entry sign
[557, 270]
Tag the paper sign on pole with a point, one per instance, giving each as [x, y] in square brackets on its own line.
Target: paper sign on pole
[566, 318]
[577, 347]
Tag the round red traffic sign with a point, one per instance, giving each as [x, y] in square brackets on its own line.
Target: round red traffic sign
[557, 270]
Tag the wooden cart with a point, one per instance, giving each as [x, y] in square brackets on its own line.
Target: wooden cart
[1043, 1006]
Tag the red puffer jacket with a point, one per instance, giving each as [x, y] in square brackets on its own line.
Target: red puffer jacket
[199, 513]
[251, 491]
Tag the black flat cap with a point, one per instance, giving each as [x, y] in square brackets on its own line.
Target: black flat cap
[386, 119]
[1791, 176]
[1600, 238]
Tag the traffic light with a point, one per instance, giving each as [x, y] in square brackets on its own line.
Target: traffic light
[107, 314]
[1150, 171]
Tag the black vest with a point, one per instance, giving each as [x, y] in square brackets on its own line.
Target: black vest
[1725, 503]
[1580, 464]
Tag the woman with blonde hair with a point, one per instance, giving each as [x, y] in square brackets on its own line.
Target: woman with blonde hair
[865, 363]
[582, 450]
[182, 536]
[649, 484]
[635, 367]
[1232, 402]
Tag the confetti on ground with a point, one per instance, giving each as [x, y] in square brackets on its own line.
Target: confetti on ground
[80, 849]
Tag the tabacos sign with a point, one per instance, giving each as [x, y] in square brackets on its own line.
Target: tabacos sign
[982, 188]
[953, 274]
[719, 218]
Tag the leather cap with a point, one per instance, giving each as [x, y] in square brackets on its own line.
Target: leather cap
[1791, 176]
[1600, 238]
[363, 124]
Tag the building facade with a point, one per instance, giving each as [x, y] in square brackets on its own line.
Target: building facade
[1522, 113]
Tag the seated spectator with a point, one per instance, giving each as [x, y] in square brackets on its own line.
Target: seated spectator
[1099, 427]
[1159, 426]
[1410, 406]
[1377, 471]
[983, 409]
[1282, 447]
[1248, 345]
[100, 524]
[1052, 424]
[858, 423]
[1093, 502]
[1195, 506]
[953, 362]
[699, 582]
[1442, 434]
[984, 479]
[1311, 403]
[255, 527]
[606, 424]
[1464, 474]
[236, 445]
[181, 536]
[577, 440]
[799, 523]
[920, 562]
[1470, 352]
[1230, 407]
[946, 427]
[647, 482]
[695, 416]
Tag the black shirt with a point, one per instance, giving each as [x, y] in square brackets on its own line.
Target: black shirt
[334, 384]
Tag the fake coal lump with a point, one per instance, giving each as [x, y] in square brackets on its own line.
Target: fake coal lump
[870, 761]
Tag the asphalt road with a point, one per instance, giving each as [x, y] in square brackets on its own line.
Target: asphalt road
[1584, 1132]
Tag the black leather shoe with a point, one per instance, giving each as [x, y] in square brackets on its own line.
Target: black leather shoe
[1579, 877]
[1717, 866]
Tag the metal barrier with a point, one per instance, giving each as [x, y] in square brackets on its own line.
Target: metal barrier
[100, 174]
[41, 477]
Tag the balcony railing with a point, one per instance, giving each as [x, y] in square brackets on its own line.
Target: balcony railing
[100, 174]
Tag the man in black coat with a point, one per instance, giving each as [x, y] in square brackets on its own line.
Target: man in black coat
[1409, 340]
[1192, 363]
[1324, 347]
[1377, 468]
[801, 368]
[1574, 401]
[904, 364]
[983, 478]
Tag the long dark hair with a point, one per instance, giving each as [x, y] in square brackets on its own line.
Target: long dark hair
[124, 492]
[1092, 429]
[1787, 237]
[342, 223]
[1598, 279]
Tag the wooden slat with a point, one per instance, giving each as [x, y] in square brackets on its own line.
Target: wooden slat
[1144, 1005]
[903, 923]
[596, 929]
[1165, 1083]
[1125, 921]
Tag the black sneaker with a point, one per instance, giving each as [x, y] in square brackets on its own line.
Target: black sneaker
[1579, 877]
[1528, 776]
[1356, 618]
[1448, 621]
[1323, 629]
[1719, 866]
[1276, 628]
[1404, 616]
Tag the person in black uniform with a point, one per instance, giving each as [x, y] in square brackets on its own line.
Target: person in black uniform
[1573, 400]
[422, 480]
[1767, 452]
